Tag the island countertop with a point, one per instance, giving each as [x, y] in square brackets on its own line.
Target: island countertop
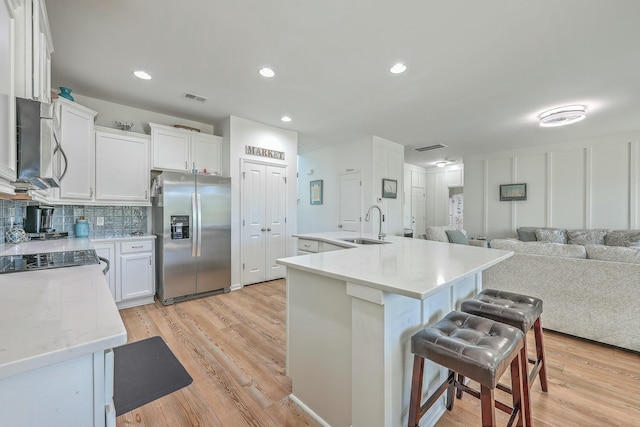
[414, 268]
[49, 316]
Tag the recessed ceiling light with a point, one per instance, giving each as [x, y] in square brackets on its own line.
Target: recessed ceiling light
[142, 75]
[398, 68]
[441, 164]
[266, 72]
[285, 118]
[562, 116]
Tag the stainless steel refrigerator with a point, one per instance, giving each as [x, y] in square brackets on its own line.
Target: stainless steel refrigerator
[192, 222]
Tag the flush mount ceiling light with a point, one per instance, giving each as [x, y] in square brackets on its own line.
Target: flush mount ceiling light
[266, 72]
[398, 68]
[562, 116]
[285, 118]
[142, 75]
[441, 164]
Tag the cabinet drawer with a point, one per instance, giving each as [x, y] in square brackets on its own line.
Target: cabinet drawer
[308, 245]
[128, 247]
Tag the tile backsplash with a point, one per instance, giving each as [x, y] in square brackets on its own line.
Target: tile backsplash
[119, 221]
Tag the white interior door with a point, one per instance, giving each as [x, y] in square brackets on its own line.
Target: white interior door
[418, 211]
[253, 220]
[264, 221]
[276, 208]
[350, 200]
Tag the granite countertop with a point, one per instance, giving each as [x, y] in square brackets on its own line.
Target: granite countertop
[48, 316]
[415, 268]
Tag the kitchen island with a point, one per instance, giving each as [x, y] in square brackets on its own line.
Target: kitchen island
[57, 329]
[350, 316]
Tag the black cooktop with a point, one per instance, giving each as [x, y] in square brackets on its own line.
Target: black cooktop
[43, 261]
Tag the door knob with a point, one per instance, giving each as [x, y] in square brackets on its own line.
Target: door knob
[269, 229]
[263, 229]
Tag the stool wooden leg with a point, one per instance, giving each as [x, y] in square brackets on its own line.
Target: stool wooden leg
[487, 405]
[537, 328]
[518, 388]
[450, 390]
[459, 391]
[416, 391]
[526, 394]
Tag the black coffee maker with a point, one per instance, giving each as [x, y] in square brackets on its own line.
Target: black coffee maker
[39, 219]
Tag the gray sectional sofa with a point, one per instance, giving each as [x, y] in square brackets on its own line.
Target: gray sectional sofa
[590, 289]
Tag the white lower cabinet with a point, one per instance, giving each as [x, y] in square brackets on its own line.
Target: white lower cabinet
[75, 392]
[131, 273]
[108, 252]
[136, 272]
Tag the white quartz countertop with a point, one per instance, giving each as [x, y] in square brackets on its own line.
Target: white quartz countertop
[49, 316]
[41, 246]
[415, 268]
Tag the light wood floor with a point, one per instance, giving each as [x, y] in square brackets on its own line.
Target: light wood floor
[233, 345]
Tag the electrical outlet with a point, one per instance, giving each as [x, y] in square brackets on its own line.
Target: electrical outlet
[99, 220]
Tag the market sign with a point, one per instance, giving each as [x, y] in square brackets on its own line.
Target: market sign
[264, 152]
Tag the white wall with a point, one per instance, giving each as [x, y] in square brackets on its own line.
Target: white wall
[109, 112]
[592, 183]
[375, 158]
[237, 133]
[327, 164]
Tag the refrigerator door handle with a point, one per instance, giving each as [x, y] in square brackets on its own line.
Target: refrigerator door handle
[199, 225]
[194, 236]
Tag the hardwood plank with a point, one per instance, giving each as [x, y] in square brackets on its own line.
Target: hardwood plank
[233, 345]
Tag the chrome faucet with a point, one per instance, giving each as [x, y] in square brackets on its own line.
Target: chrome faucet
[381, 235]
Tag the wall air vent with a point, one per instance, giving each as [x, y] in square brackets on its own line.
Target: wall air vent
[430, 147]
[195, 97]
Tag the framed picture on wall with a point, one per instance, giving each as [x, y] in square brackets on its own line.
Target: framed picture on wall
[315, 192]
[510, 192]
[389, 188]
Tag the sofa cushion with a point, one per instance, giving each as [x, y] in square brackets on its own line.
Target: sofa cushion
[613, 253]
[540, 248]
[586, 237]
[629, 238]
[457, 236]
[439, 233]
[552, 235]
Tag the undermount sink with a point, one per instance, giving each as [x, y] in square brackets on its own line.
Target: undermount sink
[361, 241]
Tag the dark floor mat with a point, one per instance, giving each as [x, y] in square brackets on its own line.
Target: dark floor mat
[145, 371]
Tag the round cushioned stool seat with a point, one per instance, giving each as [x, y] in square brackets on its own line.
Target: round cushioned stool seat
[473, 346]
[513, 309]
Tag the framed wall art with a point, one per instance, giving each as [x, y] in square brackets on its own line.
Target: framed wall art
[389, 188]
[315, 192]
[511, 192]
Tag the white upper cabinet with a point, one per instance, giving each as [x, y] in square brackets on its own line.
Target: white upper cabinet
[77, 140]
[122, 166]
[7, 101]
[184, 150]
[455, 178]
[33, 49]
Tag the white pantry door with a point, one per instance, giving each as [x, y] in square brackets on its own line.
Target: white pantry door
[263, 221]
[350, 209]
[418, 211]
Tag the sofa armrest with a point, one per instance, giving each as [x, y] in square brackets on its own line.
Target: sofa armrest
[479, 243]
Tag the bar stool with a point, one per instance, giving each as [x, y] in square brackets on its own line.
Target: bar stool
[522, 312]
[476, 347]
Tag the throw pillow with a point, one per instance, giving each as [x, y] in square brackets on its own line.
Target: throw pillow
[551, 235]
[628, 238]
[526, 234]
[456, 236]
[586, 237]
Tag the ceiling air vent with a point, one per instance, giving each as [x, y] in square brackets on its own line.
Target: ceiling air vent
[195, 97]
[430, 147]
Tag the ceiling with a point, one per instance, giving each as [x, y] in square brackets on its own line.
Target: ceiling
[478, 72]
